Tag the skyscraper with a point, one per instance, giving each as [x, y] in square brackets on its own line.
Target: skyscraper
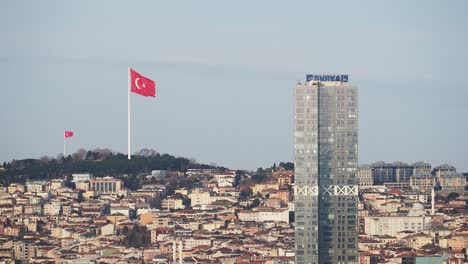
[325, 157]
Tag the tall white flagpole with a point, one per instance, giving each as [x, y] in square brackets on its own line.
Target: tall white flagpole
[129, 85]
[64, 148]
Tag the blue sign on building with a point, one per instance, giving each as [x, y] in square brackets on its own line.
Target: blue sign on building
[327, 78]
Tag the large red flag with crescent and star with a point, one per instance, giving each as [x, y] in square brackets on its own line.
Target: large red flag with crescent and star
[68, 134]
[142, 85]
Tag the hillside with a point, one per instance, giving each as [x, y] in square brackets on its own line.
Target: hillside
[99, 162]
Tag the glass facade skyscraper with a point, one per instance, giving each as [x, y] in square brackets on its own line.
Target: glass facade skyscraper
[325, 157]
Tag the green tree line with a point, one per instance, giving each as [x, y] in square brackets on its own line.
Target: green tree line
[97, 162]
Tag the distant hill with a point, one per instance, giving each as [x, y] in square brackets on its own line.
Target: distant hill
[99, 162]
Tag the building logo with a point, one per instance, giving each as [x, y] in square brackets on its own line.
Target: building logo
[327, 78]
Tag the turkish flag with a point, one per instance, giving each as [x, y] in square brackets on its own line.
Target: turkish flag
[68, 134]
[142, 85]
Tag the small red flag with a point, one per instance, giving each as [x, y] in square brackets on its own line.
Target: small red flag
[68, 134]
[142, 85]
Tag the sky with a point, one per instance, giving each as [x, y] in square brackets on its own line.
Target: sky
[225, 74]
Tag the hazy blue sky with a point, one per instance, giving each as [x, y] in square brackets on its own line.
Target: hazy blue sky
[225, 73]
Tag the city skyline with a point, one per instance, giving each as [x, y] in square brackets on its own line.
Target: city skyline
[64, 67]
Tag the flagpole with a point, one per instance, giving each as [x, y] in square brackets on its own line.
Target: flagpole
[64, 148]
[128, 89]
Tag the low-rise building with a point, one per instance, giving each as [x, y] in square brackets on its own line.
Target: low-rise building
[458, 241]
[172, 203]
[121, 210]
[52, 208]
[418, 241]
[259, 187]
[106, 185]
[35, 186]
[200, 197]
[224, 180]
[81, 177]
[391, 225]
[263, 214]
[192, 242]
[82, 185]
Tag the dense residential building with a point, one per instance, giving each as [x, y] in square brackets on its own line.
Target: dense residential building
[422, 182]
[405, 226]
[403, 171]
[226, 224]
[383, 172]
[421, 167]
[443, 169]
[453, 182]
[397, 172]
[365, 175]
[325, 157]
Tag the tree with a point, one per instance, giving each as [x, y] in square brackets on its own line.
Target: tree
[100, 162]
[245, 193]
[125, 230]
[13, 164]
[154, 202]
[101, 153]
[287, 165]
[187, 202]
[89, 155]
[259, 177]
[45, 159]
[439, 197]
[428, 246]
[255, 203]
[80, 154]
[138, 237]
[452, 196]
[147, 153]
[237, 178]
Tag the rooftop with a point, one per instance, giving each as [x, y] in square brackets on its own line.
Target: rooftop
[421, 164]
[453, 174]
[445, 167]
[400, 164]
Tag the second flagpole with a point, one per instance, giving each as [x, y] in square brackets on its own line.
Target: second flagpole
[64, 148]
[128, 90]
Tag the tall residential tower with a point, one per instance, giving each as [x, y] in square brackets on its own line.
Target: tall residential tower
[325, 157]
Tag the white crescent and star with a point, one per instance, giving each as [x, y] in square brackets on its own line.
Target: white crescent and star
[138, 86]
